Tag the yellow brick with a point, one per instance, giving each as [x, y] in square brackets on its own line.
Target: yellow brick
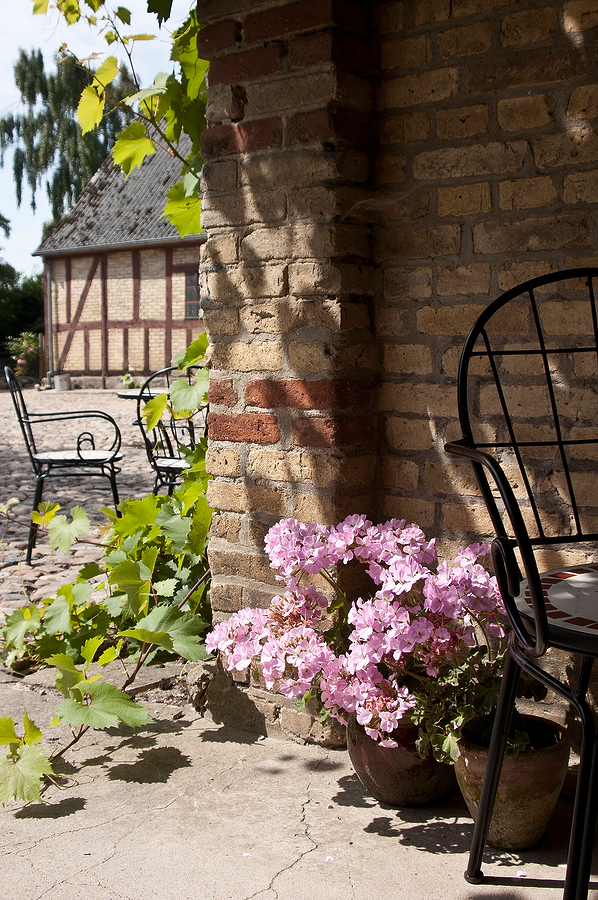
[408, 283]
[400, 473]
[526, 193]
[477, 159]
[580, 15]
[584, 102]
[473, 279]
[409, 126]
[424, 87]
[223, 461]
[581, 187]
[392, 322]
[409, 434]
[518, 113]
[451, 478]
[448, 319]
[462, 122]
[247, 357]
[470, 520]
[411, 509]
[528, 27]
[465, 41]
[413, 358]
[516, 273]
[406, 54]
[467, 199]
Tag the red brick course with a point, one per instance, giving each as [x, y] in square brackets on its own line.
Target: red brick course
[238, 67]
[250, 428]
[222, 393]
[331, 432]
[214, 39]
[241, 137]
[341, 394]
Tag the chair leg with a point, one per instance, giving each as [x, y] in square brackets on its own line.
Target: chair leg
[498, 742]
[115, 497]
[585, 809]
[37, 499]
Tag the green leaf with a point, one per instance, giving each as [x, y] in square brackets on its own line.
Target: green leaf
[40, 7]
[32, 733]
[68, 675]
[127, 576]
[12, 501]
[108, 656]
[161, 8]
[182, 627]
[175, 528]
[19, 622]
[90, 109]
[194, 354]
[131, 147]
[57, 617]
[158, 88]
[44, 513]
[153, 410]
[183, 212]
[89, 570]
[141, 37]
[106, 73]
[8, 734]
[190, 396]
[136, 515]
[145, 636]
[104, 709]
[123, 14]
[61, 533]
[91, 647]
[165, 588]
[20, 775]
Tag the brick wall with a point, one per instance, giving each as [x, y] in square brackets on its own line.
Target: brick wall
[376, 172]
[487, 168]
[120, 312]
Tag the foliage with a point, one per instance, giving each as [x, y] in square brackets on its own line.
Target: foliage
[48, 141]
[21, 305]
[174, 104]
[425, 642]
[24, 349]
[148, 600]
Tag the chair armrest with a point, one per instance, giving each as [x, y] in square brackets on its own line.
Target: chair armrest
[34, 419]
[503, 557]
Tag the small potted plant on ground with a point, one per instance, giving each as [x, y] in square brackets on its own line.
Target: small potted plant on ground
[407, 665]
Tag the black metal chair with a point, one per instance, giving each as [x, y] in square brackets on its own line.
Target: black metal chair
[81, 458]
[528, 406]
[165, 438]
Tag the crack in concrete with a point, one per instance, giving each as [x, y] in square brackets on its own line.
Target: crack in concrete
[302, 821]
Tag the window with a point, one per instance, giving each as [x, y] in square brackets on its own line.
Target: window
[192, 295]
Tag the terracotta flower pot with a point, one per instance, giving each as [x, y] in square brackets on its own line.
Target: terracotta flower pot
[529, 787]
[397, 776]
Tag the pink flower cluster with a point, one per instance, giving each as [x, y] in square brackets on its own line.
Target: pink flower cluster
[420, 616]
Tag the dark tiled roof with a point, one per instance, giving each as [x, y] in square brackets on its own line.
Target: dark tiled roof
[113, 211]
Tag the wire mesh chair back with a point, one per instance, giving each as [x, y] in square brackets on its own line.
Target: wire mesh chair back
[164, 442]
[527, 400]
[22, 414]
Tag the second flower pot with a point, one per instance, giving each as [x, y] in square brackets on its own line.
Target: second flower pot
[397, 776]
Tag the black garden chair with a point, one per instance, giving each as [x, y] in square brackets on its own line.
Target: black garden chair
[80, 458]
[528, 406]
[165, 436]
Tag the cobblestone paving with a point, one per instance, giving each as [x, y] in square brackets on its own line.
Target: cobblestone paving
[20, 583]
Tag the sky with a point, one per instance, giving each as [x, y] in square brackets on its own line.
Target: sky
[21, 29]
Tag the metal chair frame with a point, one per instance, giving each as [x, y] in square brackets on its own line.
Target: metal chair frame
[163, 443]
[82, 461]
[534, 629]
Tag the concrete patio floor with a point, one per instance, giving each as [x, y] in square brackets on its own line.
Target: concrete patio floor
[187, 808]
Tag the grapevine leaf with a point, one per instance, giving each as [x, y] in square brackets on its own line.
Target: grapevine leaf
[141, 37]
[20, 774]
[18, 624]
[174, 527]
[8, 734]
[57, 617]
[160, 638]
[40, 7]
[153, 410]
[194, 354]
[182, 627]
[61, 533]
[90, 109]
[137, 514]
[127, 576]
[68, 675]
[12, 501]
[183, 212]
[32, 733]
[108, 656]
[131, 147]
[158, 87]
[91, 647]
[104, 706]
[165, 588]
[190, 396]
[161, 8]
[106, 72]
[45, 512]
[124, 15]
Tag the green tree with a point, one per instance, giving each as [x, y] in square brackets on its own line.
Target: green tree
[173, 104]
[48, 141]
[21, 304]
[4, 225]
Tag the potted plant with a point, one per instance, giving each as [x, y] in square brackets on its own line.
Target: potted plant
[407, 664]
